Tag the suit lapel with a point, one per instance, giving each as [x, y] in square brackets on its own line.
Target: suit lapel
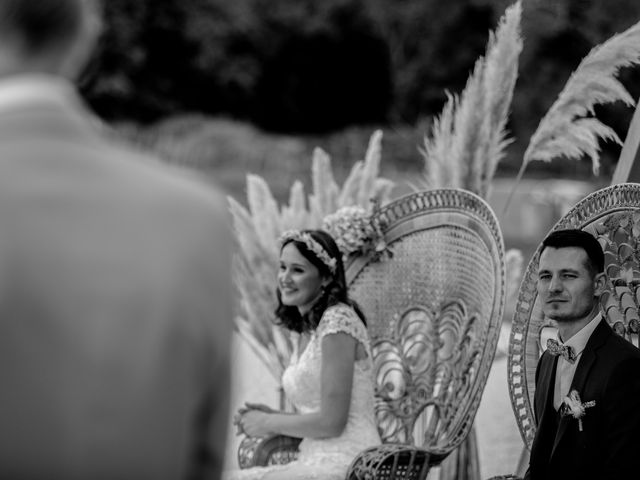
[587, 359]
[547, 379]
[544, 405]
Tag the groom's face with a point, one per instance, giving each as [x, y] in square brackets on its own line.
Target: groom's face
[567, 287]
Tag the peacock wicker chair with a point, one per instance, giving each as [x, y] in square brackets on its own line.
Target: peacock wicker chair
[433, 312]
[612, 215]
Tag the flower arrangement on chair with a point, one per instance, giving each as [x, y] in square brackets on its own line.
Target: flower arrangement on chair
[357, 232]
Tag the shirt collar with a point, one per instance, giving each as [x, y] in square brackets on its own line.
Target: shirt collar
[22, 90]
[579, 340]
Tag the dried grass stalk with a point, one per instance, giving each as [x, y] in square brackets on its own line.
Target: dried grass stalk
[569, 128]
[564, 131]
[469, 138]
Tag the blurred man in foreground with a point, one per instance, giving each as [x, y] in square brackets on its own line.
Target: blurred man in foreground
[115, 319]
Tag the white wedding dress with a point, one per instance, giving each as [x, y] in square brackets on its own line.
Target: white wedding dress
[327, 458]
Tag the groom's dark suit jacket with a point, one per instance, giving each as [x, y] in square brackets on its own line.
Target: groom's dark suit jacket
[608, 447]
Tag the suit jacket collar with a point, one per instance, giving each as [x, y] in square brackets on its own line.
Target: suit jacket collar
[589, 356]
[18, 91]
[44, 116]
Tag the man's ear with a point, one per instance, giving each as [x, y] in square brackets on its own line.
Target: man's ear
[600, 283]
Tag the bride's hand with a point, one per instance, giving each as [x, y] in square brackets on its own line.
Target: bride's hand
[255, 423]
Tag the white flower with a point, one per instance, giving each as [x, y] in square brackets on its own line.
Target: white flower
[355, 231]
[573, 406]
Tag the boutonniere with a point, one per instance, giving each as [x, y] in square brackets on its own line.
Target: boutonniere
[572, 405]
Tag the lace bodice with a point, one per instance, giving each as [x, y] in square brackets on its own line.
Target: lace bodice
[328, 458]
[301, 383]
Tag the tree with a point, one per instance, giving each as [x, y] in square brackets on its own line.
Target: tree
[317, 66]
[284, 64]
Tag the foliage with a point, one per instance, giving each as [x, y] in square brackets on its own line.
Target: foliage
[288, 65]
[275, 63]
[259, 226]
[432, 45]
[143, 69]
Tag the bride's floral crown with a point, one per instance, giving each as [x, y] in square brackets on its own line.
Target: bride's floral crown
[312, 245]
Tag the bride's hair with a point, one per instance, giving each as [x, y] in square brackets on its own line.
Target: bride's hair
[335, 292]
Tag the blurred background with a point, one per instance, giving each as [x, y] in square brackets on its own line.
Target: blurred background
[230, 87]
[252, 86]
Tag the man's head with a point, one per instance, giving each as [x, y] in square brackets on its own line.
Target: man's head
[570, 275]
[47, 36]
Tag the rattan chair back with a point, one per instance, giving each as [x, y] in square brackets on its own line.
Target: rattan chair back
[612, 215]
[434, 312]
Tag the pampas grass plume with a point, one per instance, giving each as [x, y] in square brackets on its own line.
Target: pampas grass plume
[566, 130]
[295, 215]
[469, 137]
[350, 188]
[370, 170]
[264, 208]
[325, 190]
[438, 147]
[563, 131]
[501, 73]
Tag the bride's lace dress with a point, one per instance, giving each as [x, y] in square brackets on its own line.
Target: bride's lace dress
[327, 458]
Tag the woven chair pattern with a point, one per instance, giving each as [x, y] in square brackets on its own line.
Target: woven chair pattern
[391, 461]
[270, 450]
[612, 215]
[434, 312]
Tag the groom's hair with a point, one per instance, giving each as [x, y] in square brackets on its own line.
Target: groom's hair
[37, 26]
[581, 239]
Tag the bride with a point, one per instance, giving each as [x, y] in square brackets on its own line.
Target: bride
[330, 379]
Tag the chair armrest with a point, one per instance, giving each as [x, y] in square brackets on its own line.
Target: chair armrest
[269, 450]
[392, 461]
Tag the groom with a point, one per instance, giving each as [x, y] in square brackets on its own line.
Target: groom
[115, 299]
[596, 434]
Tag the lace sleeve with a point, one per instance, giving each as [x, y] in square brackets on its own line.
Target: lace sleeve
[343, 319]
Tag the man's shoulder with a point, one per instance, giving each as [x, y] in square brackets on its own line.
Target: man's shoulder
[621, 347]
[175, 200]
[157, 177]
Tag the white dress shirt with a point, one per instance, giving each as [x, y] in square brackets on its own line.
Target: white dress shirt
[565, 369]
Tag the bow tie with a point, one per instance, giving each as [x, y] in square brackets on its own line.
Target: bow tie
[556, 348]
